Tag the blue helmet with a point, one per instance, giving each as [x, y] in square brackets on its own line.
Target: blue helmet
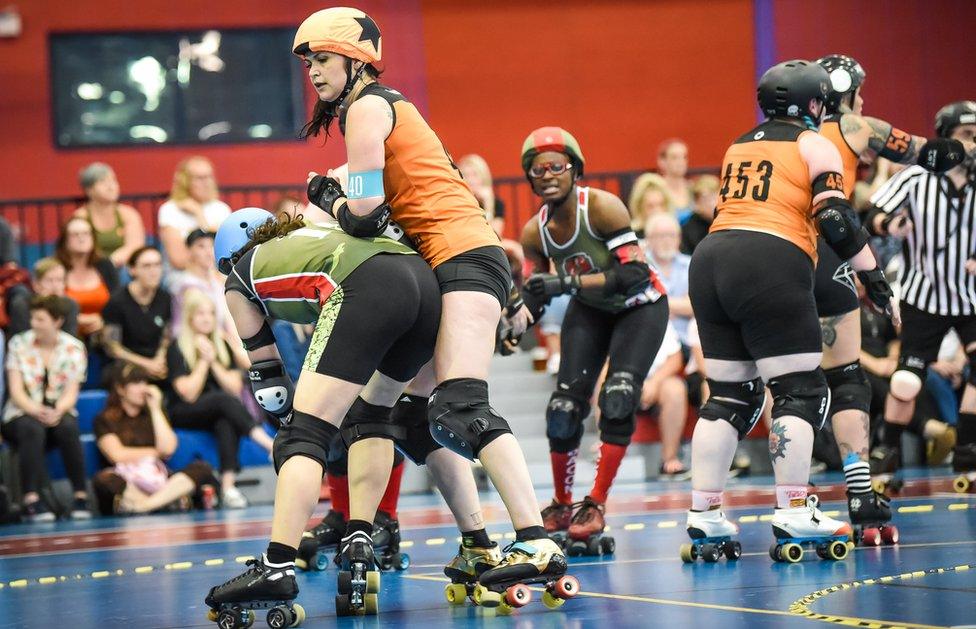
[235, 232]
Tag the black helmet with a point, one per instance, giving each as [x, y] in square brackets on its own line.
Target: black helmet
[953, 115]
[845, 74]
[786, 89]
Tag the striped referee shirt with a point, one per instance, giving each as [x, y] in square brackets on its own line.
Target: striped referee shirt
[943, 237]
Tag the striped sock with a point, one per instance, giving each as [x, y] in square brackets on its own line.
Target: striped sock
[858, 475]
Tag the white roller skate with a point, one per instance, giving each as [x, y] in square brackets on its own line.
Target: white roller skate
[711, 537]
[797, 527]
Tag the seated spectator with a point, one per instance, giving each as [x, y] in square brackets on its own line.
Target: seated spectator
[672, 164]
[118, 227]
[662, 236]
[91, 279]
[200, 275]
[206, 391]
[193, 204]
[48, 278]
[135, 437]
[665, 392]
[45, 369]
[705, 192]
[476, 173]
[138, 315]
[649, 196]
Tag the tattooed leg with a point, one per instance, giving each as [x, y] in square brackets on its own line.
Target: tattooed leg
[790, 449]
[851, 428]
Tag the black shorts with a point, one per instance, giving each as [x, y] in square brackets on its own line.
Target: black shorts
[922, 334]
[383, 317]
[483, 270]
[833, 287]
[752, 294]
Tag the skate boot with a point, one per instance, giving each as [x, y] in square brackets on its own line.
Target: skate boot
[359, 581]
[796, 527]
[386, 539]
[586, 531]
[711, 537]
[537, 561]
[324, 536]
[871, 516]
[885, 462]
[262, 586]
[466, 567]
[556, 518]
[964, 463]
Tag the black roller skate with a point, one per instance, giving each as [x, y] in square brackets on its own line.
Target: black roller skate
[359, 581]
[465, 569]
[871, 516]
[885, 462]
[538, 561]
[262, 586]
[586, 531]
[556, 519]
[386, 539]
[323, 538]
[964, 463]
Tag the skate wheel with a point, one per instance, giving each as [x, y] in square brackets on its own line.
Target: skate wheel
[343, 605]
[822, 551]
[344, 584]
[455, 593]
[608, 545]
[837, 550]
[485, 597]
[504, 609]
[230, 620]
[709, 553]
[301, 564]
[576, 549]
[733, 550]
[212, 615]
[321, 561]
[247, 618]
[278, 618]
[889, 535]
[371, 604]
[593, 546]
[870, 537]
[961, 484]
[518, 595]
[552, 602]
[298, 615]
[792, 553]
[401, 561]
[878, 486]
[372, 582]
[687, 553]
[774, 552]
[566, 586]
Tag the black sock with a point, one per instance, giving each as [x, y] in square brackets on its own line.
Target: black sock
[477, 538]
[355, 526]
[917, 425]
[891, 436]
[530, 533]
[281, 553]
[966, 429]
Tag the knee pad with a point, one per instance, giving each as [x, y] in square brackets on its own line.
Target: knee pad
[461, 419]
[802, 394]
[849, 388]
[367, 421]
[739, 403]
[304, 435]
[337, 462]
[564, 419]
[905, 384]
[618, 398]
[410, 413]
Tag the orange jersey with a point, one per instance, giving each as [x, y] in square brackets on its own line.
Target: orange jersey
[830, 129]
[766, 186]
[424, 189]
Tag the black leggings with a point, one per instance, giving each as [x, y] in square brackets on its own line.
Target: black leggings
[222, 414]
[31, 438]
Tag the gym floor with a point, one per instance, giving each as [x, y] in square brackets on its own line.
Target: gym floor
[154, 571]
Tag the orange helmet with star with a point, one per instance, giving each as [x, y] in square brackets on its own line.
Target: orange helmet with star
[342, 30]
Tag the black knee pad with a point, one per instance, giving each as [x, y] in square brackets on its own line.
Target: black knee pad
[338, 462]
[741, 404]
[461, 419]
[367, 421]
[564, 419]
[802, 394]
[618, 403]
[410, 413]
[304, 435]
[849, 388]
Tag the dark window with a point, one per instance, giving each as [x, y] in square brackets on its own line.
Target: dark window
[187, 87]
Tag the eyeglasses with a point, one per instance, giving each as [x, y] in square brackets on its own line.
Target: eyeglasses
[556, 168]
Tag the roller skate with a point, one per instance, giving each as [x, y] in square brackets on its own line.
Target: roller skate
[324, 536]
[871, 516]
[465, 568]
[538, 561]
[797, 527]
[556, 519]
[964, 463]
[586, 531]
[711, 537]
[359, 581]
[262, 586]
[386, 539]
[885, 462]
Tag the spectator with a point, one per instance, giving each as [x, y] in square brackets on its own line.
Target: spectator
[672, 164]
[193, 204]
[649, 196]
[665, 392]
[91, 279]
[705, 193]
[661, 241]
[8, 243]
[476, 173]
[200, 275]
[118, 228]
[138, 315]
[206, 390]
[134, 436]
[48, 279]
[45, 369]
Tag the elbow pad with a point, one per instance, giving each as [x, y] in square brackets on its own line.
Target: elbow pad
[840, 228]
[368, 226]
[631, 275]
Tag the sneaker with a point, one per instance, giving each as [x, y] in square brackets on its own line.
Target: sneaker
[233, 499]
[37, 511]
[80, 509]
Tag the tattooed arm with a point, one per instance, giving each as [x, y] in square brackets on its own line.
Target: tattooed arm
[870, 137]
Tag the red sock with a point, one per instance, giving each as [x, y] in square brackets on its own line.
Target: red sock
[339, 488]
[606, 470]
[563, 473]
[388, 502]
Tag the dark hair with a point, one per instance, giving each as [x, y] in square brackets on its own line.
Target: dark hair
[51, 304]
[61, 249]
[134, 258]
[273, 228]
[118, 375]
[324, 113]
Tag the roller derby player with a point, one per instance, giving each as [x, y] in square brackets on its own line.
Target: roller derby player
[858, 138]
[398, 168]
[618, 311]
[751, 286]
[936, 214]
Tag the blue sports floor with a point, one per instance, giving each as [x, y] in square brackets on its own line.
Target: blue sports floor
[154, 571]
